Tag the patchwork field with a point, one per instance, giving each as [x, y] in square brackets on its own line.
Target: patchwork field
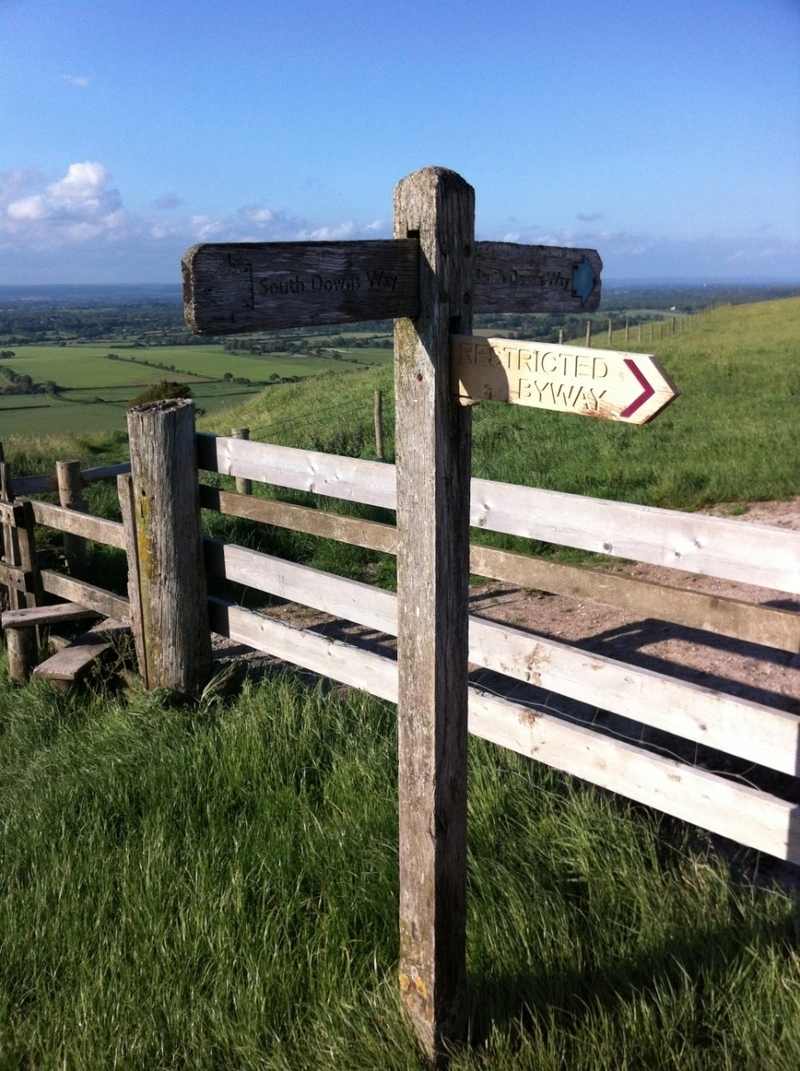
[92, 391]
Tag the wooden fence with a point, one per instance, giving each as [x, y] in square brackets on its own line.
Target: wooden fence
[172, 617]
[694, 543]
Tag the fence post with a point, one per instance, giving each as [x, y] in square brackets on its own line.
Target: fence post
[561, 336]
[70, 496]
[433, 437]
[169, 543]
[378, 415]
[243, 485]
[610, 331]
[588, 332]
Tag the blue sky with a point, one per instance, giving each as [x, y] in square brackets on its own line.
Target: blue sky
[664, 134]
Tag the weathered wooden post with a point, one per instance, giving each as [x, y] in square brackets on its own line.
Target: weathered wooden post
[70, 496]
[377, 413]
[169, 546]
[433, 478]
[588, 332]
[424, 279]
[243, 486]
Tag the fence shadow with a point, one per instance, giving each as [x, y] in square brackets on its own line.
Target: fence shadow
[702, 956]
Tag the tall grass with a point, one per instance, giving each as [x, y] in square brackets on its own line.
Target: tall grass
[216, 886]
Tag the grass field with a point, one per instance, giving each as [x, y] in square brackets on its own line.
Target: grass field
[97, 391]
[215, 886]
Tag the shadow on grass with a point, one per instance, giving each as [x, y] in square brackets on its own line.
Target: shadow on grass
[702, 958]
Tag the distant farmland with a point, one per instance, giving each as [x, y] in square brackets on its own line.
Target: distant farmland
[77, 387]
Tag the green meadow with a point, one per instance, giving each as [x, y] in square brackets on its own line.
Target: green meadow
[96, 391]
[215, 885]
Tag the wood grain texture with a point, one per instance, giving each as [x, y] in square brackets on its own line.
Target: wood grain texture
[260, 286]
[727, 723]
[88, 595]
[172, 579]
[135, 608]
[604, 384]
[70, 497]
[433, 444]
[44, 615]
[98, 529]
[535, 278]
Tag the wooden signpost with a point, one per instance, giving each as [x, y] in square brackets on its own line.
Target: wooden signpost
[430, 278]
[632, 387]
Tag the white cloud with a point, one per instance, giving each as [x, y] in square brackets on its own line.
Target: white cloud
[327, 234]
[260, 216]
[80, 81]
[80, 206]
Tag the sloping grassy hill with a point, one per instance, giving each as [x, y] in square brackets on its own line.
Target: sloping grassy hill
[731, 436]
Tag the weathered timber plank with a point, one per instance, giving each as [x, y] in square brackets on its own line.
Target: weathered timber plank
[331, 658]
[44, 615]
[80, 524]
[88, 595]
[604, 384]
[535, 278]
[369, 482]
[73, 662]
[39, 485]
[135, 606]
[257, 286]
[169, 537]
[723, 616]
[765, 625]
[15, 577]
[352, 600]
[746, 815]
[736, 726]
[693, 542]
[353, 530]
[728, 723]
[433, 437]
[104, 472]
[34, 485]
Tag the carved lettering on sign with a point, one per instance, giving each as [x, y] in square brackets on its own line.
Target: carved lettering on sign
[604, 383]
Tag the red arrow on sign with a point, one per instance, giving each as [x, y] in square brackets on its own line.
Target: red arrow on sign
[648, 391]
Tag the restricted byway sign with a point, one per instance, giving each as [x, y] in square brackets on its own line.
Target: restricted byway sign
[632, 387]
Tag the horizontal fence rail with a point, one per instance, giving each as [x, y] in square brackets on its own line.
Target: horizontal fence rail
[39, 485]
[747, 815]
[737, 726]
[714, 546]
[766, 625]
[81, 524]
